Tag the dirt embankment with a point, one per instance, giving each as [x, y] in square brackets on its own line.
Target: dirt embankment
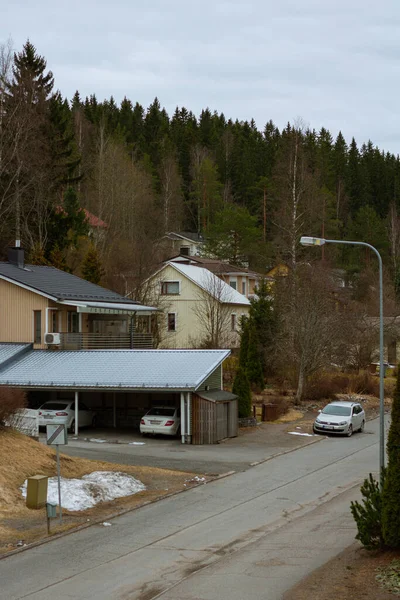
[22, 457]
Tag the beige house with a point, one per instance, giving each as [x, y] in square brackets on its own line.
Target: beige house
[184, 242]
[51, 308]
[239, 278]
[198, 308]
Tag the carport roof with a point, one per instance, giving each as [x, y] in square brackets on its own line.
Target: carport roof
[170, 370]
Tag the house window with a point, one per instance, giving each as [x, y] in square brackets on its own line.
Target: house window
[171, 322]
[244, 287]
[233, 282]
[170, 288]
[73, 322]
[54, 321]
[233, 322]
[184, 250]
[37, 326]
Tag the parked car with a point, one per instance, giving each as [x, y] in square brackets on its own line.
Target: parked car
[340, 417]
[62, 412]
[161, 419]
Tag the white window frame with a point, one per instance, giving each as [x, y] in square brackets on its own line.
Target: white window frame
[244, 286]
[175, 315]
[178, 281]
[233, 322]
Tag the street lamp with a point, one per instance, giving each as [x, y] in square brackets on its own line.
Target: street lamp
[315, 241]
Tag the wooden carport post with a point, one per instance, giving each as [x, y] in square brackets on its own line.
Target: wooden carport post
[183, 417]
[76, 412]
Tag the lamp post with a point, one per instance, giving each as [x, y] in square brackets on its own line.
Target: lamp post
[314, 241]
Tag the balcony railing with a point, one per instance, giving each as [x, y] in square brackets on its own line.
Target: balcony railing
[98, 341]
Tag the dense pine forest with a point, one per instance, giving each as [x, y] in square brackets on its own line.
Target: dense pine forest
[140, 172]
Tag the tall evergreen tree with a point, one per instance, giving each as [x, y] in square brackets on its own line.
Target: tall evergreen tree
[391, 489]
[92, 269]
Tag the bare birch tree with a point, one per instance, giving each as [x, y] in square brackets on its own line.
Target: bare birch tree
[214, 313]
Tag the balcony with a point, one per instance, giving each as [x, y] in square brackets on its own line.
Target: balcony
[98, 341]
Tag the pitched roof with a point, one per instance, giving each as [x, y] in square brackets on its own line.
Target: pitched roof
[58, 284]
[8, 352]
[210, 283]
[113, 369]
[215, 265]
[186, 235]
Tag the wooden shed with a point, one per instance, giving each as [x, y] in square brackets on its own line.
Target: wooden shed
[214, 416]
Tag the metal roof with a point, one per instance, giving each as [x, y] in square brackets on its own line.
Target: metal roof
[58, 284]
[210, 283]
[175, 370]
[9, 352]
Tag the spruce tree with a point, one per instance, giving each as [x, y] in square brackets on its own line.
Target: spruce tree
[391, 488]
[254, 369]
[92, 269]
[241, 387]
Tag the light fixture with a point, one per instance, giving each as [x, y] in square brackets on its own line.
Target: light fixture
[311, 241]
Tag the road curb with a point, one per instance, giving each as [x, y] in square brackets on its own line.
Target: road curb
[264, 460]
[114, 515]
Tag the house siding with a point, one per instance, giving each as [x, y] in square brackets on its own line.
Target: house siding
[16, 310]
[189, 328]
[213, 381]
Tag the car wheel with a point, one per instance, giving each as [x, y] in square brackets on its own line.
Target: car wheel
[350, 431]
[362, 426]
[72, 427]
[94, 422]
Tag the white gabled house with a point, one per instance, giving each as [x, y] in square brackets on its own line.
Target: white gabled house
[199, 309]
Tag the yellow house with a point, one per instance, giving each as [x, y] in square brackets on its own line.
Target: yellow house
[51, 308]
[199, 309]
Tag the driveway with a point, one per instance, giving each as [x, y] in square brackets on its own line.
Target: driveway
[253, 445]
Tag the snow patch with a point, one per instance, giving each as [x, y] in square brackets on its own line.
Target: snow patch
[98, 440]
[298, 433]
[99, 486]
[137, 443]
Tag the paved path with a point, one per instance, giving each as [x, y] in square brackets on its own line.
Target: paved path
[252, 535]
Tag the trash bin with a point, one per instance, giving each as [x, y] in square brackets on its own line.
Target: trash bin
[269, 412]
[36, 492]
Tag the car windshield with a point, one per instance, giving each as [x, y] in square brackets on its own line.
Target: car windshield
[334, 409]
[54, 406]
[161, 412]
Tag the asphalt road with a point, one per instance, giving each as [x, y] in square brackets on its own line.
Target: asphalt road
[252, 535]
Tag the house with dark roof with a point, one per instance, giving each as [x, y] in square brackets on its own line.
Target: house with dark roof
[183, 242]
[51, 308]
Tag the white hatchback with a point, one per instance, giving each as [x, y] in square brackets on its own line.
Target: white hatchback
[161, 419]
[340, 417]
[62, 412]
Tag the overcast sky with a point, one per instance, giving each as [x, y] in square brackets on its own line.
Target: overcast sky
[334, 63]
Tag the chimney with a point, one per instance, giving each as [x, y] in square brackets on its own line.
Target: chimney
[16, 256]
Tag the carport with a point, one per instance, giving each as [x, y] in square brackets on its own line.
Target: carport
[122, 382]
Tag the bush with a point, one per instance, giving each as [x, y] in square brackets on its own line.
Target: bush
[364, 383]
[11, 400]
[231, 365]
[326, 386]
[241, 387]
[368, 515]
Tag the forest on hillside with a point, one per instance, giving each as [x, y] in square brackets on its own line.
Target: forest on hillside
[250, 192]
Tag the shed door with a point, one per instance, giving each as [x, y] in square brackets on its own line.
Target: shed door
[222, 420]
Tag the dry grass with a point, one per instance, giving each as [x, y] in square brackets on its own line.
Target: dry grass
[22, 457]
[291, 416]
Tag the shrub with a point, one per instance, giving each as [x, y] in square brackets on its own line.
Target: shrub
[368, 515]
[241, 387]
[11, 400]
[391, 488]
[326, 385]
[364, 383]
[231, 365]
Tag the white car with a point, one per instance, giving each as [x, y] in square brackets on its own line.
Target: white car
[62, 412]
[340, 417]
[161, 419]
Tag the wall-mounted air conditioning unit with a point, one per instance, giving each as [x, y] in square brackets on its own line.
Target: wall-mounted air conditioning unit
[52, 339]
